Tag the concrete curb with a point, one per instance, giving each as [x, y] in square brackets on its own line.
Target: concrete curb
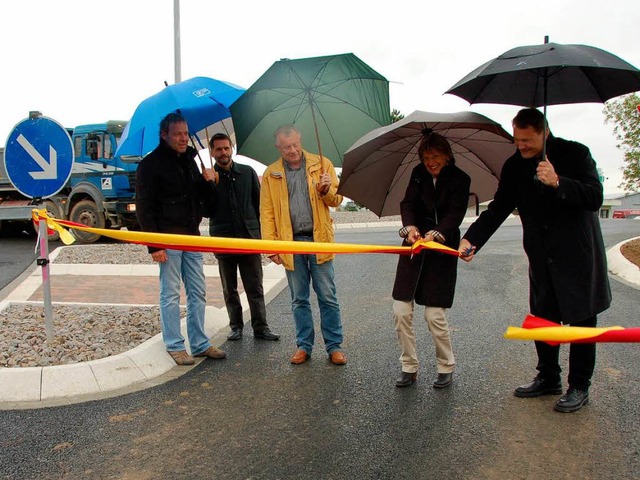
[142, 367]
[622, 268]
[389, 224]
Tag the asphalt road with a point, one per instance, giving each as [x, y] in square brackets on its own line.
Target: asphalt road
[256, 416]
[17, 252]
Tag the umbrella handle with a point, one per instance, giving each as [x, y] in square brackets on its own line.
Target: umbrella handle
[206, 134]
[202, 165]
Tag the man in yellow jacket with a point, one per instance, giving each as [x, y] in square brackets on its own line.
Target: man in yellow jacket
[297, 191]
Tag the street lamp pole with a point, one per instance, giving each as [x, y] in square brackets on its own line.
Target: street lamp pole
[176, 40]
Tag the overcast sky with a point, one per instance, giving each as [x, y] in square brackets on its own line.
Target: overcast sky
[84, 61]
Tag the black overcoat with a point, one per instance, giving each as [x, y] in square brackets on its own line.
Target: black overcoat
[568, 280]
[430, 277]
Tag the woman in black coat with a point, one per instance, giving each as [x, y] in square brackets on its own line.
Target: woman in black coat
[433, 208]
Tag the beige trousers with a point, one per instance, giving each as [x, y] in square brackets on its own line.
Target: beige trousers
[437, 324]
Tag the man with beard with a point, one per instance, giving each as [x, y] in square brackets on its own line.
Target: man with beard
[234, 208]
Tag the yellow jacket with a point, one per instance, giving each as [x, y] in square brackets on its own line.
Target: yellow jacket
[275, 219]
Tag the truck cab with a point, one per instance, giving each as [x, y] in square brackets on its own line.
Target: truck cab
[102, 186]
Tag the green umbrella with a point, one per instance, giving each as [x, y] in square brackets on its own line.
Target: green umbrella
[334, 99]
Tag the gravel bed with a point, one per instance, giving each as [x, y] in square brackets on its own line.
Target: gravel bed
[81, 333]
[362, 216]
[85, 333]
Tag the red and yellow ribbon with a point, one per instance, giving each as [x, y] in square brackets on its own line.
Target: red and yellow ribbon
[234, 245]
[52, 225]
[536, 328]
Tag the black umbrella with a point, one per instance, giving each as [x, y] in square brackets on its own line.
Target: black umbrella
[549, 74]
[377, 167]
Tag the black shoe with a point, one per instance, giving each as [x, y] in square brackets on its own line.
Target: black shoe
[235, 334]
[572, 401]
[266, 334]
[539, 387]
[443, 380]
[406, 379]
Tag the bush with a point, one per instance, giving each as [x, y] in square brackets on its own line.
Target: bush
[351, 207]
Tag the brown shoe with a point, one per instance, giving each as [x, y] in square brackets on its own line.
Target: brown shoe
[181, 357]
[299, 357]
[338, 358]
[213, 352]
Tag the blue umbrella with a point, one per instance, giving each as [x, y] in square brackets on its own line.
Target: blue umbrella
[202, 101]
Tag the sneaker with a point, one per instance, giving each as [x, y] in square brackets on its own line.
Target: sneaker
[213, 352]
[181, 357]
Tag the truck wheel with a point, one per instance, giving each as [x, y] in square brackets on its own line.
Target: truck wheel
[52, 211]
[86, 212]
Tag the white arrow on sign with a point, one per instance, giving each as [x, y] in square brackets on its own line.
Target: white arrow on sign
[49, 169]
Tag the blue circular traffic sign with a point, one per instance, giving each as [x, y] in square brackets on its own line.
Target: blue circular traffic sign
[38, 157]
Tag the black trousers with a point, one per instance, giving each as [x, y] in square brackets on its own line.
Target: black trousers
[582, 359]
[250, 267]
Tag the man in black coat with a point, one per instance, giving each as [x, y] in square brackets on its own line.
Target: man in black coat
[558, 200]
[169, 195]
[234, 211]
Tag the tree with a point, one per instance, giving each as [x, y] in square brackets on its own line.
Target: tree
[396, 115]
[624, 115]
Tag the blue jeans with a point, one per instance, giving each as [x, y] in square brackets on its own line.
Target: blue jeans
[307, 270]
[185, 266]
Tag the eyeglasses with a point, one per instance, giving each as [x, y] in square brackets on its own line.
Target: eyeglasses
[286, 148]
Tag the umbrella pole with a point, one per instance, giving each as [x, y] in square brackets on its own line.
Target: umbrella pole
[544, 109]
[315, 127]
[226, 130]
[206, 134]
[544, 126]
[193, 144]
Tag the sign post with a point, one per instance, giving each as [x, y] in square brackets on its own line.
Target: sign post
[39, 160]
[43, 261]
